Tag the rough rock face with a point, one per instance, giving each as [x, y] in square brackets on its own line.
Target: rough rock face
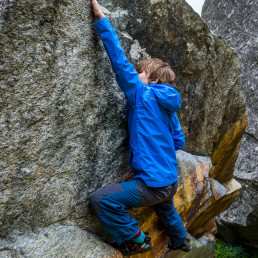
[236, 21]
[63, 130]
[208, 197]
[60, 241]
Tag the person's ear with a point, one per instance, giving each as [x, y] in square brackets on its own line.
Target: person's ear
[155, 81]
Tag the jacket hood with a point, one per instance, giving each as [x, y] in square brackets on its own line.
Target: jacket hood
[167, 96]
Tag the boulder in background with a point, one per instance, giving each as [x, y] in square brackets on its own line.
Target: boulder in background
[236, 21]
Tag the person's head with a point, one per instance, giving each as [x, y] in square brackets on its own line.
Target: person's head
[154, 70]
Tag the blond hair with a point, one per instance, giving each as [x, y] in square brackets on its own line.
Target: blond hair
[157, 69]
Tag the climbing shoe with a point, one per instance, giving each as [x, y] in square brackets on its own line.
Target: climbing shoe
[185, 246]
[130, 247]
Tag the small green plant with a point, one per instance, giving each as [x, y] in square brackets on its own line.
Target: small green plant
[226, 250]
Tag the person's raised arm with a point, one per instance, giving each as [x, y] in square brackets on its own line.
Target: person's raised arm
[126, 76]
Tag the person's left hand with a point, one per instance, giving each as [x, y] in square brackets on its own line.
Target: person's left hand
[97, 10]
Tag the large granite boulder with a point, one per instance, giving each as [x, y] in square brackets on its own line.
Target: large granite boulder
[59, 241]
[236, 21]
[63, 128]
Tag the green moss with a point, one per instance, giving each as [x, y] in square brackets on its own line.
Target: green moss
[226, 250]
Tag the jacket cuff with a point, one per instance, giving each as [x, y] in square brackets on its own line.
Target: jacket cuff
[102, 24]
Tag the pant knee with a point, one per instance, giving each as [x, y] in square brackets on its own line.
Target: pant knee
[101, 198]
[95, 202]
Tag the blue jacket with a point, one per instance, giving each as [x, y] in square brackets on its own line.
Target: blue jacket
[155, 131]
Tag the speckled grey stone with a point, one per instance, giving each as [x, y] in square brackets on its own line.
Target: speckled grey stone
[60, 241]
[237, 22]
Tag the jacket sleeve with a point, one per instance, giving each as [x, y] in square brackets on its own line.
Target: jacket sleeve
[179, 140]
[177, 134]
[126, 76]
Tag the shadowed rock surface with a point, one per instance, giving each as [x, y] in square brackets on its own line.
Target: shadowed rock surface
[63, 129]
[236, 21]
[200, 248]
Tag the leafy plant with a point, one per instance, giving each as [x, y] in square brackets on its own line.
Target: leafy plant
[226, 250]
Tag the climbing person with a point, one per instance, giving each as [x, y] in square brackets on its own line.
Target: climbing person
[155, 135]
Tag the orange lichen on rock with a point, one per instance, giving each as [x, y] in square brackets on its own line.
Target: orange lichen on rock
[224, 157]
[200, 198]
